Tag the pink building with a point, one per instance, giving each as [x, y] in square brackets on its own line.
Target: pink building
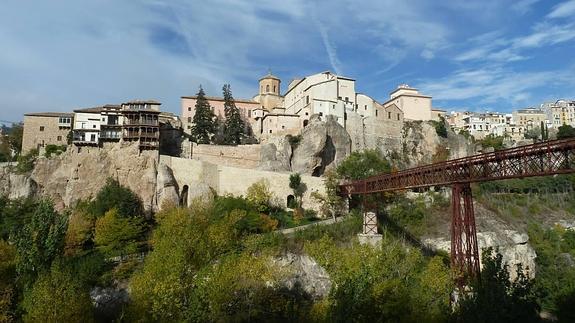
[246, 108]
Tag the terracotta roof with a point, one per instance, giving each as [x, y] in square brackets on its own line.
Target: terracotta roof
[49, 114]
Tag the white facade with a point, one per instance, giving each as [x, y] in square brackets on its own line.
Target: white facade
[324, 94]
[415, 106]
[87, 127]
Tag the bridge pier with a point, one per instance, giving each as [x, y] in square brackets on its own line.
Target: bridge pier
[464, 249]
[369, 233]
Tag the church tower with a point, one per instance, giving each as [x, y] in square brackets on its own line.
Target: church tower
[269, 96]
[270, 84]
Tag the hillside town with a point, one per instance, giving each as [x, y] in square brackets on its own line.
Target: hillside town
[271, 113]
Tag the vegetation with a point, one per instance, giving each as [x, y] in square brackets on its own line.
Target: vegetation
[299, 189]
[234, 128]
[566, 131]
[113, 195]
[359, 165]
[54, 150]
[440, 127]
[204, 120]
[493, 141]
[26, 162]
[332, 204]
[117, 236]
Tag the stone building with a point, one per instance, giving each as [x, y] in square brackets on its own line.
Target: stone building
[529, 118]
[133, 121]
[415, 106]
[272, 113]
[45, 128]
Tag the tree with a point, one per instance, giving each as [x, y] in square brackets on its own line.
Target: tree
[234, 128]
[117, 236]
[58, 296]
[41, 240]
[362, 164]
[533, 133]
[259, 195]
[507, 301]
[566, 131]
[15, 138]
[204, 119]
[331, 202]
[115, 196]
[7, 277]
[79, 233]
[491, 140]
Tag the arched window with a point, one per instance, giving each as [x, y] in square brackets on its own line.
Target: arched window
[274, 89]
[267, 88]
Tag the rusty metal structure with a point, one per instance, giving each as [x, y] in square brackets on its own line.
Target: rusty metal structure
[540, 159]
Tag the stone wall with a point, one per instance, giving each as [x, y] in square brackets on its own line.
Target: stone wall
[244, 156]
[233, 180]
[40, 131]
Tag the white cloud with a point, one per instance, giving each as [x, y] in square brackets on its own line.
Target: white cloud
[565, 9]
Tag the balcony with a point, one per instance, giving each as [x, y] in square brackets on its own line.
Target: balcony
[141, 123]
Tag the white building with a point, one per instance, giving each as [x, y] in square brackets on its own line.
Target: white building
[415, 106]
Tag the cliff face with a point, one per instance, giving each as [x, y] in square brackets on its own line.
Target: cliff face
[75, 175]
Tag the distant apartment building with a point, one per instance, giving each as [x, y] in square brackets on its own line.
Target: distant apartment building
[529, 118]
[134, 121]
[45, 128]
[560, 112]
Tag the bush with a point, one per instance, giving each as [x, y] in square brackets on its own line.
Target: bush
[440, 127]
[54, 149]
[117, 236]
[362, 164]
[26, 162]
[566, 131]
[115, 196]
[491, 140]
[259, 195]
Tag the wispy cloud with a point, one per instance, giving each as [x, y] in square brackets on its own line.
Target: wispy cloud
[565, 9]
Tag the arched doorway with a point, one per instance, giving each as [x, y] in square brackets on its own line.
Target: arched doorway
[184, 196]
[290, 201]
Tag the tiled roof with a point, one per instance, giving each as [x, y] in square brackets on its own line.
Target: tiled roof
[49, 114]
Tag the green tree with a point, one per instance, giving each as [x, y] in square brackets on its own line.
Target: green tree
[565, 131]
[26, 162]
[234, 128]
[298, 188]
[259, 195]
[58, 296]
[117, 236]
[331, 203]
[362, 164]
[7, 279]
[491, 140]
[15, 138]
[204, 119]
[507, 301]
[533, 133]
[115, 196]
[80, 232]
[41, 240]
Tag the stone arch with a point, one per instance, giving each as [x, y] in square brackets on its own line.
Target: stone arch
[184, 196]
[290, 200]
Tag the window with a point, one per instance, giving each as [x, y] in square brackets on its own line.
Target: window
[398, 116]
[321, 114]
[267, 88]
[274, 88]
[103, 119]
[41, 128]
[189, 119]
[270, 131]
[306, 113]
[333, 106]
[59, 138]
[307, 99]
[346, 99]
[365, 107]
[93, 137]
[189, 108]
[283, 127]
[376, 113]
[339, 97]
[94, 126]
[389, 115]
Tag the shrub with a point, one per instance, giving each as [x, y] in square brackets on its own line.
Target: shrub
[115, 196]
[26, 162]
[491, 140]
[259, 195]
[54, 149]
[362, 164]
[116, 236]
[440, 127]
[566, 131]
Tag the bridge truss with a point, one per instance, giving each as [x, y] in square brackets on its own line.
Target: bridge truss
[540, 159]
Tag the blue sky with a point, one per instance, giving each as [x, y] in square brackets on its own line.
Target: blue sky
[475, 55]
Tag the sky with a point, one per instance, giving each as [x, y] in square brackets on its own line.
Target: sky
[478, 55]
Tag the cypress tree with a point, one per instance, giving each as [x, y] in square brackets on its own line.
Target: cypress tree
[234, 125]
[204, 119]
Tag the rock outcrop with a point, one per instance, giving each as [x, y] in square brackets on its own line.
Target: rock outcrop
[16, 185]
[303, 271]
[322, 144]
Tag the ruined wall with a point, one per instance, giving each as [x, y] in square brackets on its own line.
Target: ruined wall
[232, 180]
[243, 156]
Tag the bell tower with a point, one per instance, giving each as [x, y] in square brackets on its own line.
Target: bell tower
[270, 84]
